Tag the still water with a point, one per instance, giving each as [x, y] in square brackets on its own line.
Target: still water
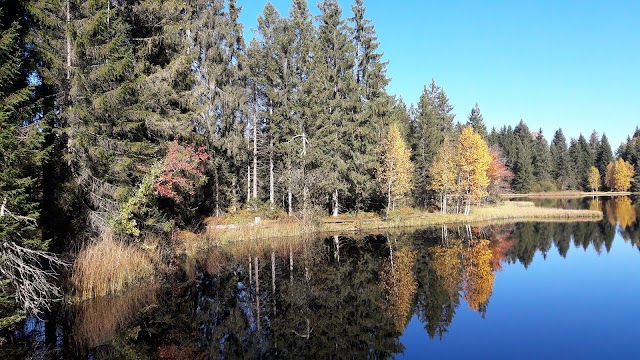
[526, 290]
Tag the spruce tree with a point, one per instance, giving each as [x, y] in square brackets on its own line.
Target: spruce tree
[374, 108]
[336, 88]
[541, 159]
[603, 157]
[432, 122]
[21, 156]
[523, 177]
[560, 167]
[477, 121]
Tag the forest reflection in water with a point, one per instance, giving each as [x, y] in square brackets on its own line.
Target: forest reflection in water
[337, 297]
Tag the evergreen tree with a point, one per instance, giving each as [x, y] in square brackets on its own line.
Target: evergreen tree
[581, 161]
[541, 159]
[603, 157]
[374, 107]
[522, 168]
[432, 122]
[221, 112]
[560, 167]
[21, 158]
[336, 87]
[476, 121]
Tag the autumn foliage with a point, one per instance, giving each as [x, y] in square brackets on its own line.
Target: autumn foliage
[619, 175]
[395, 175]
[498, 173]
[180, 171]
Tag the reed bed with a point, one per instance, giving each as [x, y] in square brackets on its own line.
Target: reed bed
[109, 265]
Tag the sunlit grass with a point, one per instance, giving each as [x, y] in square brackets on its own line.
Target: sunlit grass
[109, 265]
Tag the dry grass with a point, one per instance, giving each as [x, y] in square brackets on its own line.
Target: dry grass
[109, 265]
[265, 229]
[508, 211]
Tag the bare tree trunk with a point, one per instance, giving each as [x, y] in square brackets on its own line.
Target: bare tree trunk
[290, 200]
[336, 242]
[290, 262]
[255, 156]
[304, 180]
[68, 38]
[248, 183]
[250, 271]
[271, 190]
[388, 197]
[335, 203]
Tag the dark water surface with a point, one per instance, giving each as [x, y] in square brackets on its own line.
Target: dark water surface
[527, 290]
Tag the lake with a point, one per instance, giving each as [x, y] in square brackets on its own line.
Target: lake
[525, 290]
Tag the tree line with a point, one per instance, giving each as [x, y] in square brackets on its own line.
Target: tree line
[136, 116]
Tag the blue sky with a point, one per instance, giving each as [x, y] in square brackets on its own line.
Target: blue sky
[570, 64]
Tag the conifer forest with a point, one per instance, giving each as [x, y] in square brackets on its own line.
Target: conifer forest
[132, 119]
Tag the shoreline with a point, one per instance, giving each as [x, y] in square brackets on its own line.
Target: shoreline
[506, 212]
[567, 194]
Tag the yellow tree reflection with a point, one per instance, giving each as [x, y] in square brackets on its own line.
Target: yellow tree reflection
[478, 276]
[448, 266]
[622, 211]
[398, 281]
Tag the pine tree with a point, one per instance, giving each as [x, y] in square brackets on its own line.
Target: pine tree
[603, 157]
[477, 121]
[335, 88]
[541, 159]
[221, 112]
[374, 107]
[560, 168]
[21, 156]
[522, 168]
[432, 122]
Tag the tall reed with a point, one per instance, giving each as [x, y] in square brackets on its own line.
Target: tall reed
[109, 265]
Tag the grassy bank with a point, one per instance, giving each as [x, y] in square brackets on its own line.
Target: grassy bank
[566, 194]
[509, 211]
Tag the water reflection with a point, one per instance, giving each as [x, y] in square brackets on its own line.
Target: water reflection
[333, 298]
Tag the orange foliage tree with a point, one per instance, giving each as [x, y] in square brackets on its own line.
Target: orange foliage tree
[498, 173]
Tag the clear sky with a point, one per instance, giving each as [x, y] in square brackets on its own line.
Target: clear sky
[565, 63]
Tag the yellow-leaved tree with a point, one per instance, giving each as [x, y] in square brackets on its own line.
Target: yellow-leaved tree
[619, 175]
[395, 174]
[594, 179]
[472, 159]
[443, 173]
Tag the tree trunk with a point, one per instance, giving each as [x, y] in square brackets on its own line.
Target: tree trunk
[68, 38]
[335, 203]
[388, 197]
[255, 157]
[336, 242]
[248, 183]
[290, 200]
[217, 185]
[271, 190]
